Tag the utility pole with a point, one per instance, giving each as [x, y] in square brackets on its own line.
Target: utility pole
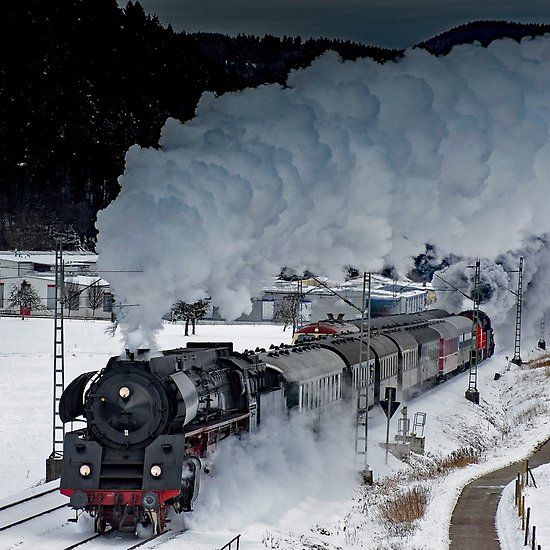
[517, 341]
[472, 393]
[53, 463]
[362, 418]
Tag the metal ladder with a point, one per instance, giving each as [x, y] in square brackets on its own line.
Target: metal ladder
[53, 464]
[517, 340]
[361, 423]
[472, 393]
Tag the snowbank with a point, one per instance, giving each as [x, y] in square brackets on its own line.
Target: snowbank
[509, 524]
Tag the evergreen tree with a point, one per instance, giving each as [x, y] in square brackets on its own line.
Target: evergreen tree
[24, 297]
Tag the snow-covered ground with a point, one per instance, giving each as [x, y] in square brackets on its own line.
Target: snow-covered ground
[284, 487]
[26, 380]
[509, 524]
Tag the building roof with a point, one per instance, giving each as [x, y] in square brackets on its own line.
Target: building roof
[47, 257]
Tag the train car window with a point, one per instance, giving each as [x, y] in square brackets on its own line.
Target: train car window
[317, 392]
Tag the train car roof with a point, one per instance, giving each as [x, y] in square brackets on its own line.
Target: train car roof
[402, 338]
[446, 329]
[423, 334]
[382, 345]
[304, 363]
[347, 347]
[401, 319]
[328, 327]
[463, 324]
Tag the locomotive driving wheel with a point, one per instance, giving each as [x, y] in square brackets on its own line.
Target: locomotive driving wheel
[100, 525]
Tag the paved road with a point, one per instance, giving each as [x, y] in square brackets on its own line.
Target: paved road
[473, 519]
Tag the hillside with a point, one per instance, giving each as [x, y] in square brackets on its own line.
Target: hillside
[85, 80]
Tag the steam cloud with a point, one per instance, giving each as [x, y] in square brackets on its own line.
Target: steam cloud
[354, 163]
[263, 476]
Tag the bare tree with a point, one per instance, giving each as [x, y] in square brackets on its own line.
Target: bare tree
[190, 313]
[70, 297]
[24, 297]
[95, 297]
[286, 311]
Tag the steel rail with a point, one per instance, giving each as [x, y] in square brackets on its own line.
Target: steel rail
[38, 495]
[77, 544]
[19, 522]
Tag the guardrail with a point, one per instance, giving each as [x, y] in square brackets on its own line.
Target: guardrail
[522, 480]
[233, 544]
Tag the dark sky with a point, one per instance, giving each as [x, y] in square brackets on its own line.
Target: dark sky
[391, 23]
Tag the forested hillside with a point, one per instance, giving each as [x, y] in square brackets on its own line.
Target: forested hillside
[83, 80]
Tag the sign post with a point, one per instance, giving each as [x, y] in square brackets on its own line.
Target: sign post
[389, 406]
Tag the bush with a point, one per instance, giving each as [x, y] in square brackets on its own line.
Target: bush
[402, 510]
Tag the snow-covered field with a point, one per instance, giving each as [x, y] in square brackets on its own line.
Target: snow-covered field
[283, 488]
[26, 380]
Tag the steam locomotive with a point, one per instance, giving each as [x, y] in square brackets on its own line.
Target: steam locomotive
[152, 419]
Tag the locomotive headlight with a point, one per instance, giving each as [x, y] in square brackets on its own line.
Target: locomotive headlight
[85, 470]
[124, 392]
[156, 470]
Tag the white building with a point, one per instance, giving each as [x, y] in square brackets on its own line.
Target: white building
[388, 297]
[38, 270]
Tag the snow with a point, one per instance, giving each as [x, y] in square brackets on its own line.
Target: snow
[509, 524]
[284, 487]
[26, 381]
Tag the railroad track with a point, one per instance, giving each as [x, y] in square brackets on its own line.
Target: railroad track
[82, 542]
[32, 497]
[11, 509]
[132, 547]
[34, 516]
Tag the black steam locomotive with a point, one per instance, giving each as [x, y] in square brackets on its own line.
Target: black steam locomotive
[149, 420]
[152, 418]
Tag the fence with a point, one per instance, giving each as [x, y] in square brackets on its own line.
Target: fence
[522, 480]
[233, 544]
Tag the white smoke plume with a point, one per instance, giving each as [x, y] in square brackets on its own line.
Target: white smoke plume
[354, 163]
[499, 280]
[259, 478]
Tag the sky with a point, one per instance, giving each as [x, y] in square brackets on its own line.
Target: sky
[388, 23]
